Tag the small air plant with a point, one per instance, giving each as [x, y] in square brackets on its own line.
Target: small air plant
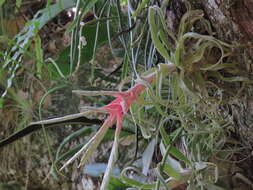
[116, 111]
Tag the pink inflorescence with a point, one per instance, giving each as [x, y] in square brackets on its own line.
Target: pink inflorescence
[118, 107]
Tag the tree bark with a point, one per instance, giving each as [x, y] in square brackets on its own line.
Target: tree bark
[233, 23]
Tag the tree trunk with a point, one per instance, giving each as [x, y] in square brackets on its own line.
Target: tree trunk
[233, 23]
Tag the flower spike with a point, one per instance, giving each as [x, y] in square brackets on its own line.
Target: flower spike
[116, 110]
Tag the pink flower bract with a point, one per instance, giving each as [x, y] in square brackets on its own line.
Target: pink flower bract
[118, 107]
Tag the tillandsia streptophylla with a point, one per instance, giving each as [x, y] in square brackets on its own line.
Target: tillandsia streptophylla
[116, 111]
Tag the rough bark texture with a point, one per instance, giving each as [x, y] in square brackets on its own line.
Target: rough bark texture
[231, 19]
[233, 22]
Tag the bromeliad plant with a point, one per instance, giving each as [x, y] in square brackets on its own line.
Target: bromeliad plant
[116, 111]
[197, 88]
[188, 53]
[193, 72]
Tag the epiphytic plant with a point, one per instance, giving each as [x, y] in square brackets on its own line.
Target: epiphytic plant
[116, 111]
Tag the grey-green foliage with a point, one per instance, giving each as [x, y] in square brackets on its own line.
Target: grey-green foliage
[191, 106]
